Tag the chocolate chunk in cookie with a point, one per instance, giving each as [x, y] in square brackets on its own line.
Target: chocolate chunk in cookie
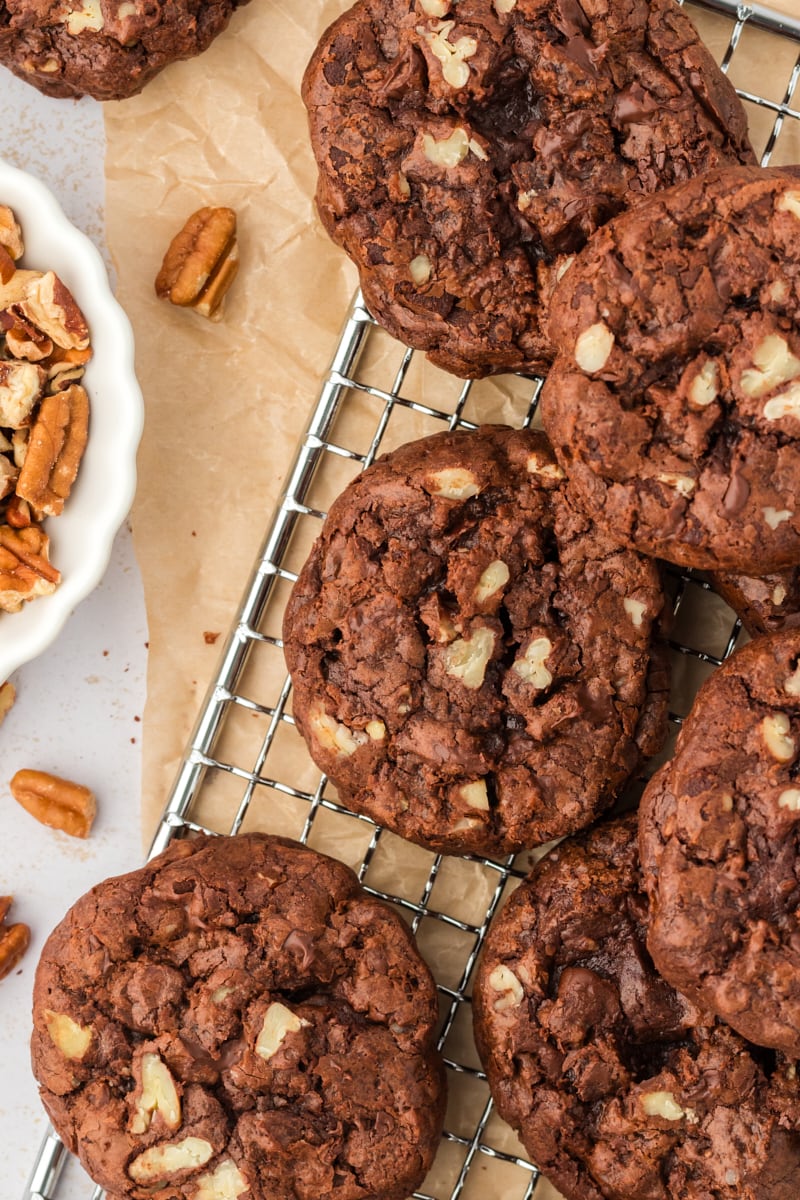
[720, 846]
[466, 150]
[239, 1019]
[764, 603]
[472, 660]
[101, 49]
[674, 402]
[618, 1087]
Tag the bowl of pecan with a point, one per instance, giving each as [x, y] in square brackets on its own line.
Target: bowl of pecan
[71, 417]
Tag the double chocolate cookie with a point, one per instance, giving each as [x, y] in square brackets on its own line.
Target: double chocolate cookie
[108, 49]
[238, 1020]
[466, 149]
[618, 1087]
[674, 403]
[472, 660]
[765, 603]
[720, 846]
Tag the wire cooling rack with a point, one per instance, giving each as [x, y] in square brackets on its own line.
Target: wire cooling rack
[246, 766]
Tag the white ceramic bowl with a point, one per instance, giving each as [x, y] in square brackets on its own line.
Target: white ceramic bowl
[81, 538]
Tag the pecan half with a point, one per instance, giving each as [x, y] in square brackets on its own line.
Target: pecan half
[56, 802]
[24, 568]
[14, 941]
[201, 262]
[55, 448]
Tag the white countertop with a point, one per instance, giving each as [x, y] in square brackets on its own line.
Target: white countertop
[79, 706]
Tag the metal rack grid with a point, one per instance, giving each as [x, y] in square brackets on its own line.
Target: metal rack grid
[246, 716]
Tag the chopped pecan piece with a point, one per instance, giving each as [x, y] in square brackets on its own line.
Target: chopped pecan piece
[44, 414]
[10, 233]
[201, 262]
[65, 367]
[19, 445]
[8, 476]
[55, 447]
[56, 802]
[14, 289]
[24, 340]
[24, 569]
[7, 265]
[18, 515]
[20, 387]
[49, 305]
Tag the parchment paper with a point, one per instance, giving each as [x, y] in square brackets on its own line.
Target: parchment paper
[226, 402]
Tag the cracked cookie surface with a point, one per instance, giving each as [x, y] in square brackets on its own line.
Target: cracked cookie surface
[674, 402]
[108, 49]
[466, 150]
[238, 1020]
[617, 1085]
[720, 846]
[472, 660]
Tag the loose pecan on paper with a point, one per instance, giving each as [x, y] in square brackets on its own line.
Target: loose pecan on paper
[201, 262]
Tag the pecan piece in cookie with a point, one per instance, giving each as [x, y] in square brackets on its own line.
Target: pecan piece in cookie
[55, 448]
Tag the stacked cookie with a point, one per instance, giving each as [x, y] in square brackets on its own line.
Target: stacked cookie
[619, 1086]
[467, 150]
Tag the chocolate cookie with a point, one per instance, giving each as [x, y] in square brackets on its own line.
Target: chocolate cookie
[465, 149]
[617, 1086]
[104, 48]
[719, 839]
[238, 1019]
[674, 402]
[472, 660]
[765, 603]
